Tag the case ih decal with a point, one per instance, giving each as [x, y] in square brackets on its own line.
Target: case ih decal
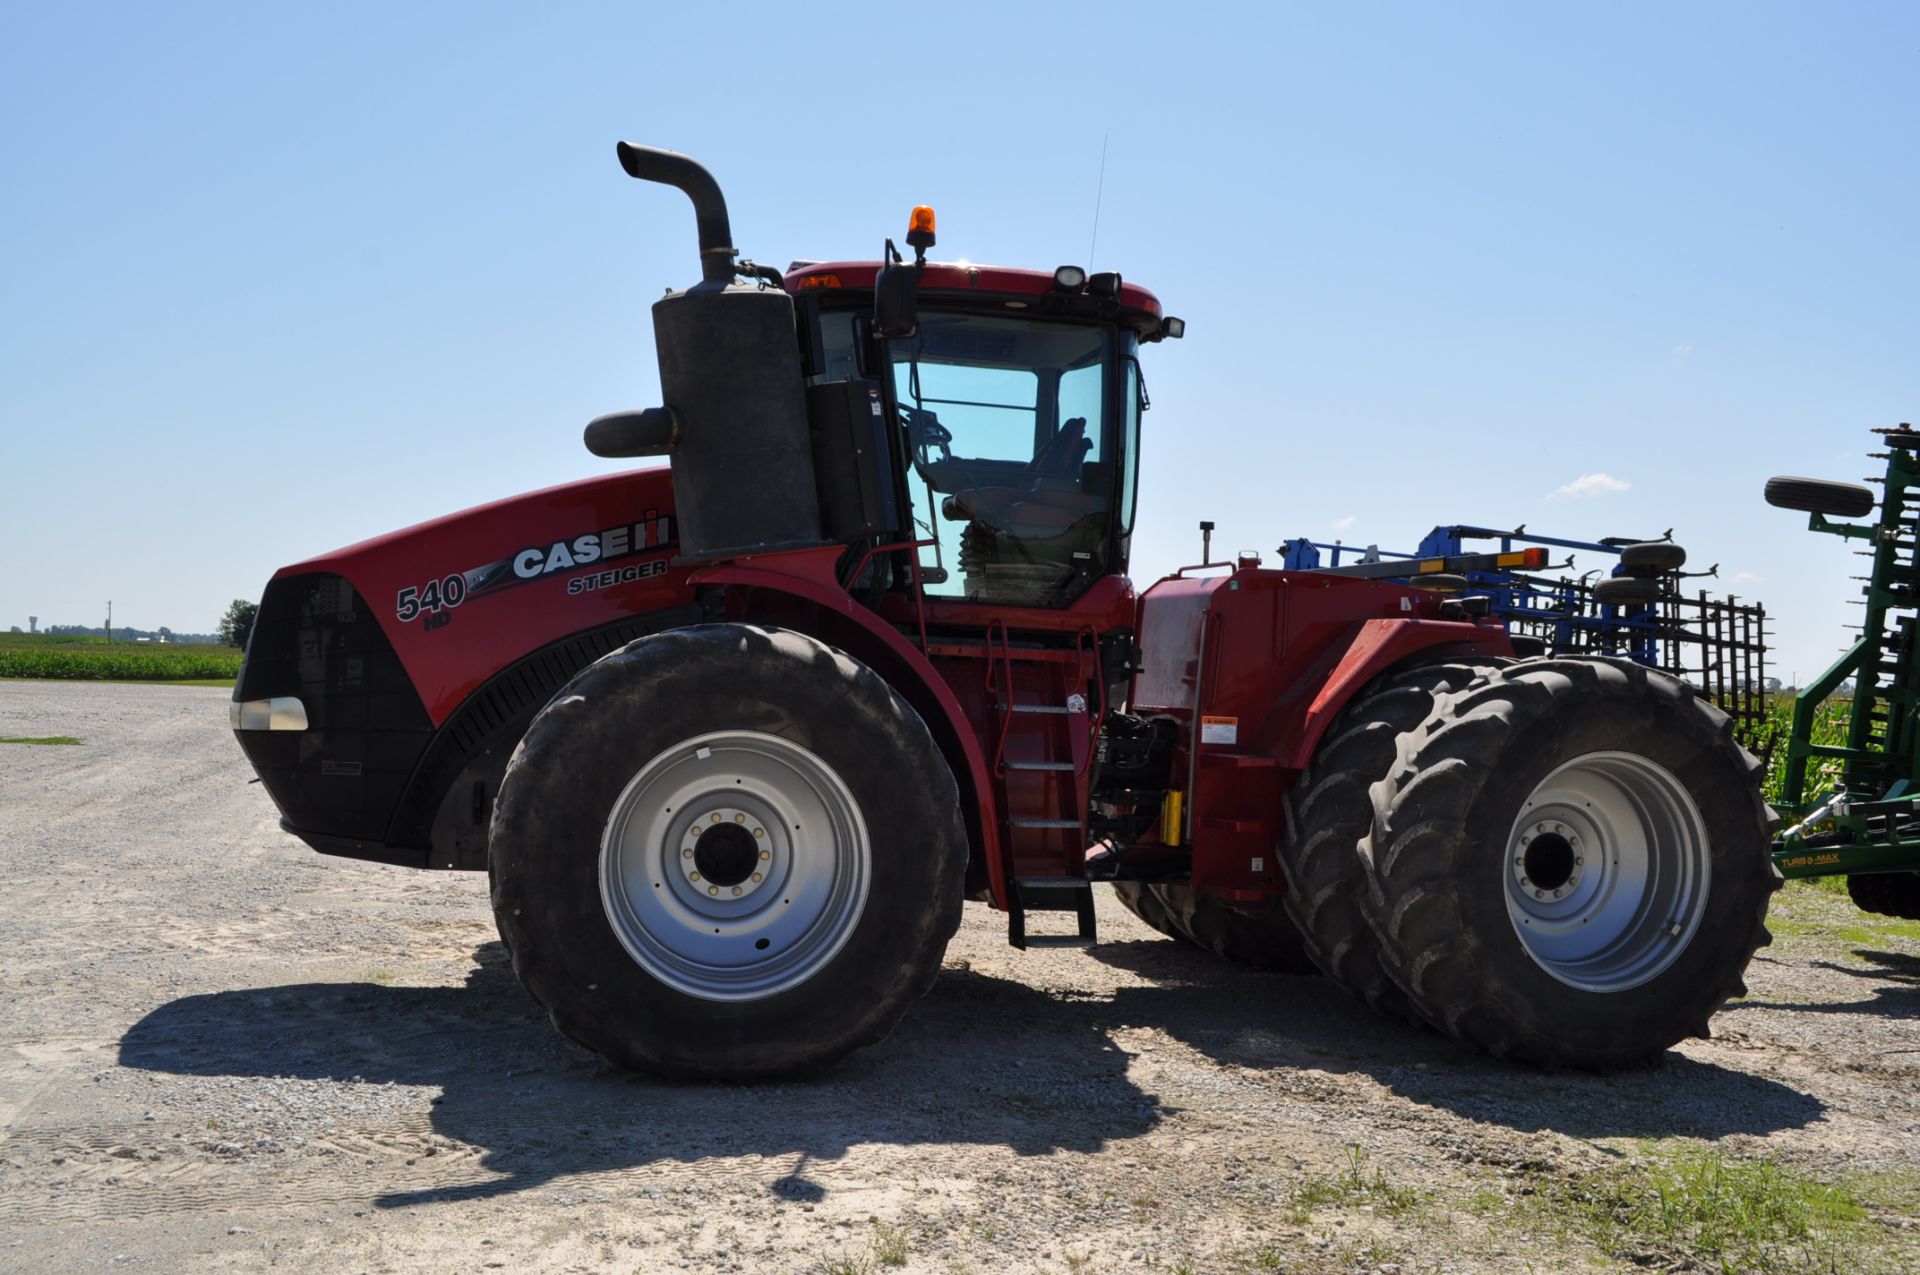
[653, 534]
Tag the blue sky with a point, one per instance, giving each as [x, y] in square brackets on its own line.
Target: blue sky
[279, 278]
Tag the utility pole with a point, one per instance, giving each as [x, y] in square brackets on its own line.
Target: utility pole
[109, 621]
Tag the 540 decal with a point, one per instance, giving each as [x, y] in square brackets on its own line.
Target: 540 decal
[651, 536]
[432, 597]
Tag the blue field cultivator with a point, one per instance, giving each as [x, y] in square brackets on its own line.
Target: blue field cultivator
[1636, 605]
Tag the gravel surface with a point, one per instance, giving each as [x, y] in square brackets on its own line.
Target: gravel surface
[221, 1051]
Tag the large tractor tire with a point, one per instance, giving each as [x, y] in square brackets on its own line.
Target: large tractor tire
[1330, 808]
[1144, 901]
[1887, 893]
[1569, 863]
[1261, 938]
[727, 853]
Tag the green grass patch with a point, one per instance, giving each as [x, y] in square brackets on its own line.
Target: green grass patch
[40, 739]
[1703, 1210]
[95, 661]
[892, 1244]
[1821, 914]
[1360, 1184]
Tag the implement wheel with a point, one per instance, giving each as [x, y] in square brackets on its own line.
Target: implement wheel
[1569, 863]
[1887, 893]
[727, 852]
[1329, 809]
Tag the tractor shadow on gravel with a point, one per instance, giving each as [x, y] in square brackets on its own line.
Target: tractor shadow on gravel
[980, 1060]
[1898, 995]
[1275, 1024]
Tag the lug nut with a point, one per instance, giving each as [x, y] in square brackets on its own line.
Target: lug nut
[1577, 861]
[765, 855]
[686, 854]
[759, 832]
[739, 818]
[736, 891]
[693, 876]
[1558, 893]
[713, 889]
[756, 881]
[716, 817]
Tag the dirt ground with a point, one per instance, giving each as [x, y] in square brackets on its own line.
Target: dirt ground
[220, 1051]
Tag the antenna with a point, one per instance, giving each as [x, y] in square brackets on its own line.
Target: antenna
[1098, 191]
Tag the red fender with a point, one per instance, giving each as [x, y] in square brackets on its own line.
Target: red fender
[930, 685]
[1379, 646]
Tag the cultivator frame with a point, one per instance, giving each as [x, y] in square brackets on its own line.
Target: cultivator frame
[1717, 644]
[1868, 820]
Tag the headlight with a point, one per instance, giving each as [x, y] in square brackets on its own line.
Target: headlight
[282, 712]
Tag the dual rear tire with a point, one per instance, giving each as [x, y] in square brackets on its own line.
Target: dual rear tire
[1563, 861]
[1261, 938]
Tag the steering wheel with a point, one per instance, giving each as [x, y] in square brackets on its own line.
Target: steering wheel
[925, 433]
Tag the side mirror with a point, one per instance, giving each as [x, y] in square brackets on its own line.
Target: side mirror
[896, 302]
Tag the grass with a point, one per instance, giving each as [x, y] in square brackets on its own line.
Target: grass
[71, 657]
[41, 739]
[1808, 913]
[1704, 1210]
[891, 1244]
[1357, 1186]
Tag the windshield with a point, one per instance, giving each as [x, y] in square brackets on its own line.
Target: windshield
[1007, 427]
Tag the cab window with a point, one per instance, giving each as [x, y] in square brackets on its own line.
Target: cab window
[1006, 425]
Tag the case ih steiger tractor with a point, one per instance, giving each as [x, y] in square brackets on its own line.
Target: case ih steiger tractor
[1863, 821]
[735, 738]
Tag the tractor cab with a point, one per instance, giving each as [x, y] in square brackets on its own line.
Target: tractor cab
[1014, 398]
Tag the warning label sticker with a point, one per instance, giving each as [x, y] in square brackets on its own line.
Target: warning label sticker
[1219, 730]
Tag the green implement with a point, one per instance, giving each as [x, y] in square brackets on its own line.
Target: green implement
[1860, 820]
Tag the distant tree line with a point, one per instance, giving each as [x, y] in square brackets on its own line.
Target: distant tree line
[126, 633]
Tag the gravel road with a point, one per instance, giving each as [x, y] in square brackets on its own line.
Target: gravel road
[221, 1051]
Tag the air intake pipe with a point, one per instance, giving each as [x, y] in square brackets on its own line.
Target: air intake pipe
[735, 414]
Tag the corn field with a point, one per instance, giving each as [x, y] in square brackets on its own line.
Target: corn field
[1829, 727]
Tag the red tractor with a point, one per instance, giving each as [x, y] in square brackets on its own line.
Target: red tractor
[735, 739]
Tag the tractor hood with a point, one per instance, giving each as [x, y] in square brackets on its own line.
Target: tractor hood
[511, 575]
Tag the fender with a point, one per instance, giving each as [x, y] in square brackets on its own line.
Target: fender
[1379, 646]
[911, 674]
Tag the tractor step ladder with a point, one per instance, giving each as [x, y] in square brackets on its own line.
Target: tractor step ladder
[1052, 762]
[1051, 894]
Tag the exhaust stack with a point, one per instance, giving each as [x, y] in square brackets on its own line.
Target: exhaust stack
[684, 173]
[734, 418]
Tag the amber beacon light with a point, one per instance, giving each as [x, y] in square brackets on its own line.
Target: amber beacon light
[920, 227]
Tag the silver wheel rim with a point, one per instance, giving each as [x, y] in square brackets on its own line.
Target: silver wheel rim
[788, 858]
[1607, 871]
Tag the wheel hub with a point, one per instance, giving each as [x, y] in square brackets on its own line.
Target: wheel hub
[734, 866]
[1607, 871]
[723, 855]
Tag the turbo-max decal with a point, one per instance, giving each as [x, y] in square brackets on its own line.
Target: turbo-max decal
[651, 535]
